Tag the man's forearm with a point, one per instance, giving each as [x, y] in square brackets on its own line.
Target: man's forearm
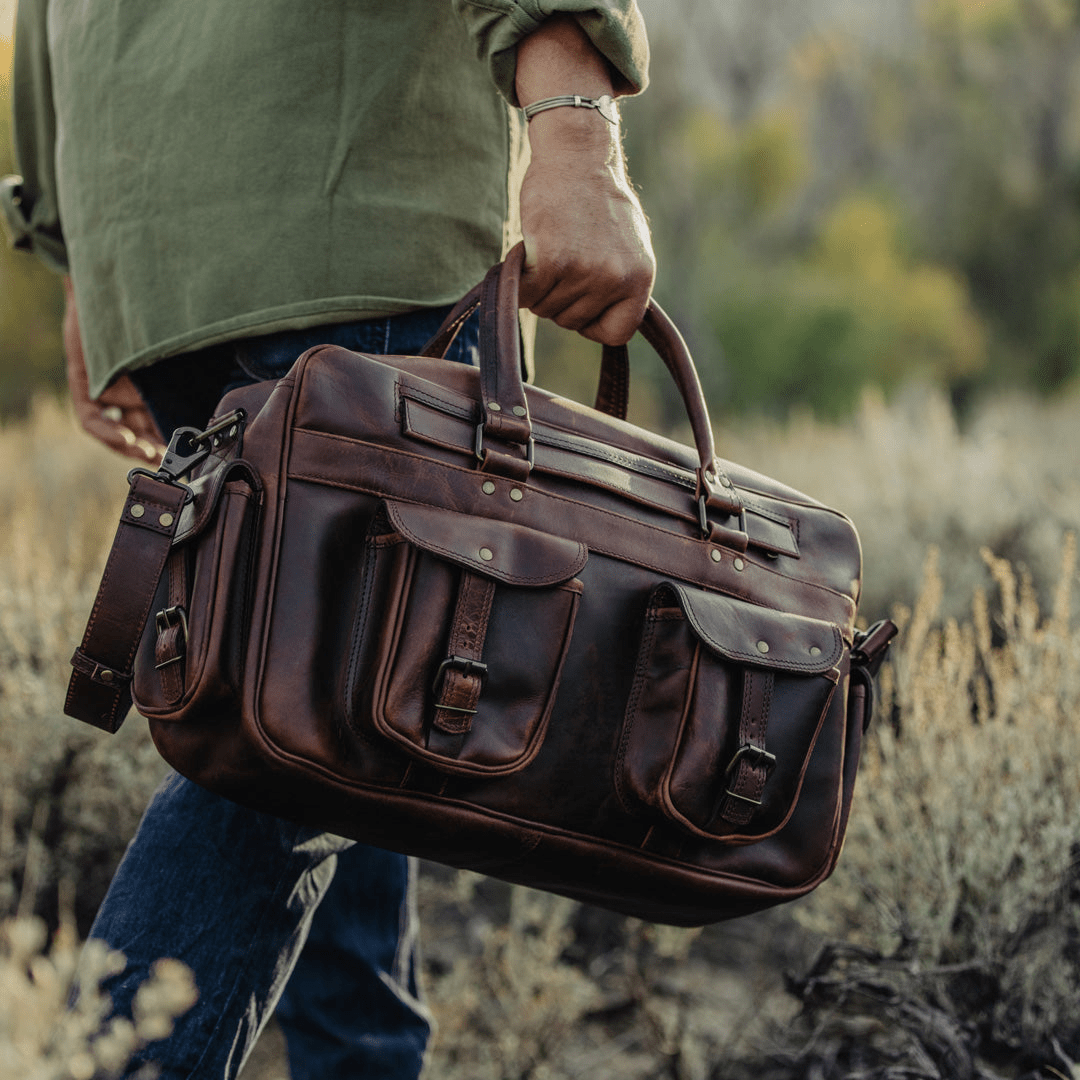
[589, 261]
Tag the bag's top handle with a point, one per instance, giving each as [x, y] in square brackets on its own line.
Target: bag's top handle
[505, 417]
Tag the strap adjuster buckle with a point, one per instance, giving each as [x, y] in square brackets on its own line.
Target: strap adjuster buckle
[165, 620]
[756, 757]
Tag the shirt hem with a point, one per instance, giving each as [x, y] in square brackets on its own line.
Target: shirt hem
[267, 321]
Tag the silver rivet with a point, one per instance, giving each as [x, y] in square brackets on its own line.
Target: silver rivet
[516, 494]
[165, 520]
[738, 564]
[814, 650]
[494, 406]
[105, 675]
[710, 475]
[715, 555]
[217, 441]
[488, 488]
[519, 410]
[487, 554]
[762, 646]
[232, 432]
[138, 510]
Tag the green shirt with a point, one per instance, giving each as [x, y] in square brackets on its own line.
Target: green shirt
[209, 170]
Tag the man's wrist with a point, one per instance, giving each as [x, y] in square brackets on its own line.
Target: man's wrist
[574, 131]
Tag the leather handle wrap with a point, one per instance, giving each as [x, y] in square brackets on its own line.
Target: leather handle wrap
[100, 688]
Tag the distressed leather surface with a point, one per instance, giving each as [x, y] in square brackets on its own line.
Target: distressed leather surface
[434, 625]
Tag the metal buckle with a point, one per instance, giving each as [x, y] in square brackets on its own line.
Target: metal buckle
[464, 664]
[703, 518]
[189, 447]
[165, 620]
[478, 446]
[761, 757]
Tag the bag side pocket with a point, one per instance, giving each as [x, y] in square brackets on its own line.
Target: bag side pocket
[460, 638]
[726, 706]
[190, 652]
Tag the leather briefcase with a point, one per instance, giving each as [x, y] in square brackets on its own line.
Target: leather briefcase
[437, 610]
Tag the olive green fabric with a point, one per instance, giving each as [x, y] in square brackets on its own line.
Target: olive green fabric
[212, 170]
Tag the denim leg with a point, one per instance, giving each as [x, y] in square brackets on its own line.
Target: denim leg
[351, 1007]
[231, 893]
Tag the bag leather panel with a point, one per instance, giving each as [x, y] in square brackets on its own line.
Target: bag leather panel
[645, 481]
[368, 468]
[344, 393]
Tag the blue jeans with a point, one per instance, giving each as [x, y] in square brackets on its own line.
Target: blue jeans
[267, 913]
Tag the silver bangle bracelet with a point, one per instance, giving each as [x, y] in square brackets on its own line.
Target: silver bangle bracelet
[604, 105]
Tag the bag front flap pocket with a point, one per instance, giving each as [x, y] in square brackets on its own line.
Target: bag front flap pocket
[477, 618]
[727, 705]
[512, 554]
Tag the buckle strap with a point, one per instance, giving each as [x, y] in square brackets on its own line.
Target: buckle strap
[99, 692]
[751, 764]
[461, 675]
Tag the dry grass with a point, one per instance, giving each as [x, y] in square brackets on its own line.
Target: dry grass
[957, 893]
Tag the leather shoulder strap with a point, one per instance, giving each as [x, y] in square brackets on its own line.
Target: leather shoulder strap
[100, 688]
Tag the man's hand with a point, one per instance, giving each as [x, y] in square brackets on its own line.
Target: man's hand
[589, 263]
[119, 418]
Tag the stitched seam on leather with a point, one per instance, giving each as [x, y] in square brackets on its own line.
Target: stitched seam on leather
[727, 590]
[359, 633]
[548, 436]
[334, 481]
[644, 656]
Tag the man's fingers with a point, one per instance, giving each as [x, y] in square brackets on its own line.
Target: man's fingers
[609, 313]
[119, 437]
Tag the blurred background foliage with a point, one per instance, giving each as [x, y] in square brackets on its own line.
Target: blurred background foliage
[847, 194]
[842, 194]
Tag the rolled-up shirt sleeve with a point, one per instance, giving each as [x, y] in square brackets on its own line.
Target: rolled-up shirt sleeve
[28, 202]
[615, 28]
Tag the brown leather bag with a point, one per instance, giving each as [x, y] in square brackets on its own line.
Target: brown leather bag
[440, 611]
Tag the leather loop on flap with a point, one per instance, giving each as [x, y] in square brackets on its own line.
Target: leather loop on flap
[513, 554]
[761, 636]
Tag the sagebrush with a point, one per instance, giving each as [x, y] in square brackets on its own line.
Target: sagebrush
[953, 916]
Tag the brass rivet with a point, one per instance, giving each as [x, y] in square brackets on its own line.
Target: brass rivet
[715, 555]
[519, 410]
[814, 650]
[763, 646]
[165, 520]
[738, 564]
[138, 510]
[494, 406]
[488, 488]
[105, 676]
[516, 494]
[487, 554]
